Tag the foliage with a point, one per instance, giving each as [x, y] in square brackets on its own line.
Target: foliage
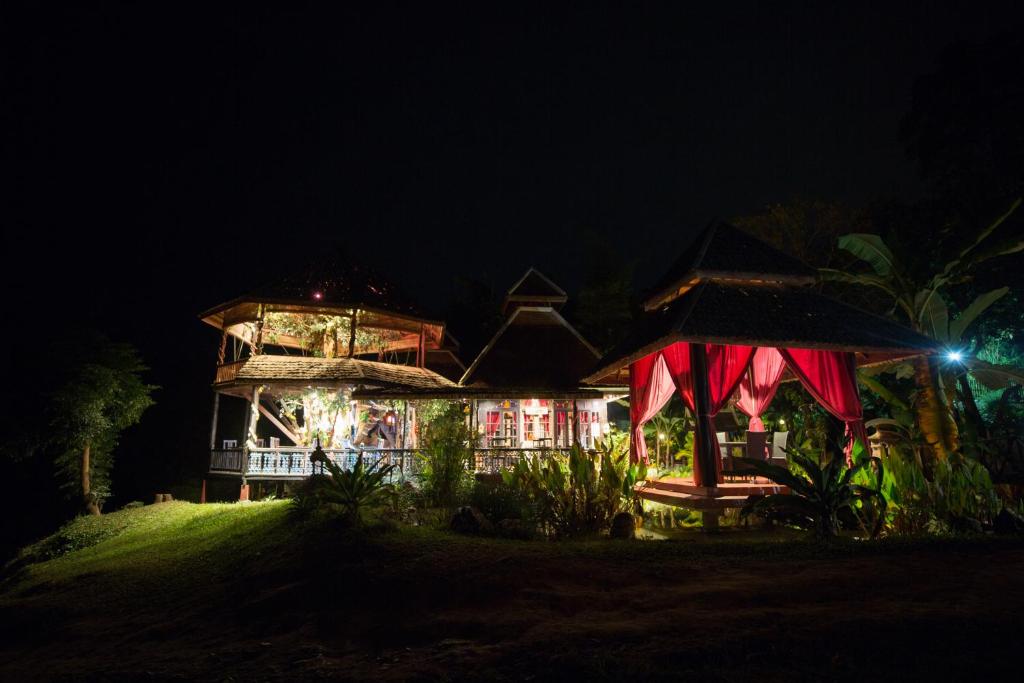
[603, 308]
[447, 473]
[805, 228]
[322, 335]
[497, 500]
[577, 494]
[920, 300]
[354, 489]
[959, 495]
[822, 494]
[92, 391]
[322, 410]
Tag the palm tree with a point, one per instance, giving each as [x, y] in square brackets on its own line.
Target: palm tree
[666, 430]
[925, 309]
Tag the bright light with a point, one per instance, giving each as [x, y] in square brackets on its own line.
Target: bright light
[661, 436]
[954, 356]
[318, 295]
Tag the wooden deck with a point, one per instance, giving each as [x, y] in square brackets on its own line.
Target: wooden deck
[685, 493]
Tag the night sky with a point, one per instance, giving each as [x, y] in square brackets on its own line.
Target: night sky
[165, 160]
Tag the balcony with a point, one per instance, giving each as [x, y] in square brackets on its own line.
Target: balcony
[294, 463]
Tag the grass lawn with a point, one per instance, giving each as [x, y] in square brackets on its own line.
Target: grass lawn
[239, 592]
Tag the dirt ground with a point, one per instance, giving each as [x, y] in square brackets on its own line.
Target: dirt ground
[438, 607]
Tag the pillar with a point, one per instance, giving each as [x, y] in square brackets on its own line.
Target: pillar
[705, 444]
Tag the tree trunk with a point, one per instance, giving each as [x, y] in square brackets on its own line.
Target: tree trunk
[88, 499]
[932, 415]
[971, 406]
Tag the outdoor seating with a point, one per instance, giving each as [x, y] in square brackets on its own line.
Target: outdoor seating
[778, 454]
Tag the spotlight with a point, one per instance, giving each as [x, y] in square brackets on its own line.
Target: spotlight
[954, 356]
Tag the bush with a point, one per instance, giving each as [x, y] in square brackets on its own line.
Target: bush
[447, 474]
[499, 501]
[578, 494]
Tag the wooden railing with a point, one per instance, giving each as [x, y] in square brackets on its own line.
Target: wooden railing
[292, 462]
[228, 371]
[226, 460]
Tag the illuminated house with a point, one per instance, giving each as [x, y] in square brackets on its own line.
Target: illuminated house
[524, 389]
[296, 350]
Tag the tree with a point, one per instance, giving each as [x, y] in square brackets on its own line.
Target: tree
[921, 302]
[603, 309]
[805, 228]
[92, 392]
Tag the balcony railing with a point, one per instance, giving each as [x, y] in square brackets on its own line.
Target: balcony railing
[294, 463]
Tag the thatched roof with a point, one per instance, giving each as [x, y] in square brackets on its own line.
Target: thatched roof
[300, 371]
[723, 252]
[333, 284]
[536, 348]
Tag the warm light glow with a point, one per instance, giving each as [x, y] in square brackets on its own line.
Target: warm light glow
[661, 436]
[318, 295]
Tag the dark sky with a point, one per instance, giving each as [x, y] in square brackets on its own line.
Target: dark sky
[168, 158]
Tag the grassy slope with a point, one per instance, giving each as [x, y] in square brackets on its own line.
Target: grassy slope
[223, 592]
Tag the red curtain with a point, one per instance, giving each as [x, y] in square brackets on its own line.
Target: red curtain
[831, 378]
[726, 366]
[650, 388]
[759, 384]
[493, 418]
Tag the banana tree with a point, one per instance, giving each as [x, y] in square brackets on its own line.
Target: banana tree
[924, 308]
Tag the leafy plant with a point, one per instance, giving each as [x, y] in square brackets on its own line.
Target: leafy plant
[577, 494]
[819, 496]
[447, 473]
[921, 303]
[355, 489]
[958, 496]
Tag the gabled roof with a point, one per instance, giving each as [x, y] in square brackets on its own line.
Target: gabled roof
[723, 252]
[534, 288]
[535, 347]
[759, 315]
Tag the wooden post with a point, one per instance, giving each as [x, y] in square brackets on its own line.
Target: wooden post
[213, 422]
[421, 349]
[576, 425]
[202, 493]
[352, 334]
[223, 347]
[705, 445]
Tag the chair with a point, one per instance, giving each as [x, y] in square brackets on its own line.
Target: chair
[779, 441]
[757, 445]
[230, 443]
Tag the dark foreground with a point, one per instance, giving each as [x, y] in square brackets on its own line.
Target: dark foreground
[221, 593]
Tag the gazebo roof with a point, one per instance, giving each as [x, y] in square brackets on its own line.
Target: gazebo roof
[723, 252]
[723, 300]
[331, 283]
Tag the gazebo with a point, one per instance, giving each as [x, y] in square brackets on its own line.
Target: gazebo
[734, 317]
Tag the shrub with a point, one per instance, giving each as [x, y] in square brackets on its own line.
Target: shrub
[353, 490]
[578, 494]
[447, 475]
[497, 501]
[822, 494]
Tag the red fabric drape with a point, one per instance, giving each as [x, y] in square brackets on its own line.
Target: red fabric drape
[831, 378]
[650, 388]
[726, 366]
[493, 417]
[759, 384]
